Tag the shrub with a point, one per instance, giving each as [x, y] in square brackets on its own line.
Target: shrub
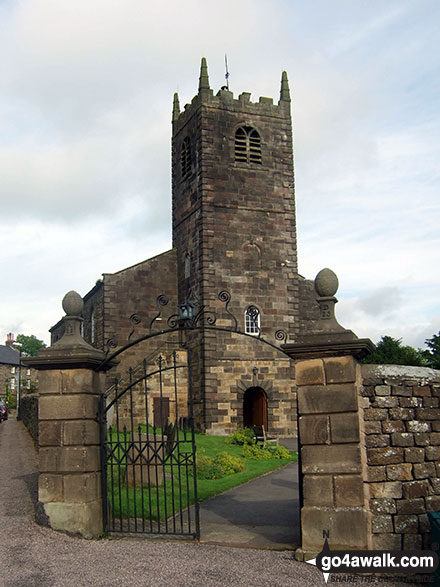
[242, 436]
[229, 463]
[223, 464]
[271, 452]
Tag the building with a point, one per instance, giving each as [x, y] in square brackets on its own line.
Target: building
[13, 371]
[234, 229]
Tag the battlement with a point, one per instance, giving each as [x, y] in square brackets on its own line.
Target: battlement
[224, 100]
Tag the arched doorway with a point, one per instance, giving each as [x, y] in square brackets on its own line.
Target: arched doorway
[255, 408]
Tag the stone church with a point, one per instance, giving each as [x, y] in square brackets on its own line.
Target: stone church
[234, 229]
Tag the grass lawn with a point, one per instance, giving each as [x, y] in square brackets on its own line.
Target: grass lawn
[176, 490]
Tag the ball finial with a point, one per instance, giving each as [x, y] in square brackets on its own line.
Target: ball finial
[73, 304]
[326, 283]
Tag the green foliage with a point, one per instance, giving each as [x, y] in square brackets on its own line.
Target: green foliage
[219, 466]
[432, 354]
[270, 452]
[390, 351]
[11, 399]
[242, 436]
[30, 344]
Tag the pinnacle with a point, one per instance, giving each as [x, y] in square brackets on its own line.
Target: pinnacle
[203, 79]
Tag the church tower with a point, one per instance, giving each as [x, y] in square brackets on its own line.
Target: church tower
[234, 229]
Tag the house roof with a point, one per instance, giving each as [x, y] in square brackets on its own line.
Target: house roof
[9, 356]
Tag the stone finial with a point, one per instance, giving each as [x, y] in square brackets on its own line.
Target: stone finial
[326, 283]
[285, 91]
[176, 107]
[73, 304]
[204, 79]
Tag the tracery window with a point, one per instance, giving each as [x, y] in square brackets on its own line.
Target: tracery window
[247, 146]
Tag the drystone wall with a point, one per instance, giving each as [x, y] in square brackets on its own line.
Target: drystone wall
[401, 420]
[29, 414]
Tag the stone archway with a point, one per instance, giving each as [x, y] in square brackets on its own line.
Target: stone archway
[255, 407]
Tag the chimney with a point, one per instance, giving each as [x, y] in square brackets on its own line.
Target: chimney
[10, 340]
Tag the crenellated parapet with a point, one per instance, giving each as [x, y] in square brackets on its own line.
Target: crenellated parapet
[224, 99]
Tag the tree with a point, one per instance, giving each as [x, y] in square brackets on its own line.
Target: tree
[432, 354]
[390, 351]
[30, 344]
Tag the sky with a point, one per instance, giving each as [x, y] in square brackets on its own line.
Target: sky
[86, 91]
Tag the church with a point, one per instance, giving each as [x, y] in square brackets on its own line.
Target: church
[234, 230]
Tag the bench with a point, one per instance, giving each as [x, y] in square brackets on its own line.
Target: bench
[260, 435]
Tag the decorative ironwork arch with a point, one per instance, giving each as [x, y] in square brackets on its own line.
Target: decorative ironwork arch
[193, 317]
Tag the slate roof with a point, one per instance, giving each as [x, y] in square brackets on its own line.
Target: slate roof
[9, 356]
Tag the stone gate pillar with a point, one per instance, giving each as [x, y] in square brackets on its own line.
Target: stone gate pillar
[332, 458]
[69, 488]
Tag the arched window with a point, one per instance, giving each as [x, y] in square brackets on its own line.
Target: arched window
[247, 146]
[185, 158]
[252, 321]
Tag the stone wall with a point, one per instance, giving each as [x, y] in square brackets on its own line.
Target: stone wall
[29, 414]
[401, 420]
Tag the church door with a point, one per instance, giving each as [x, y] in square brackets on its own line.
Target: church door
[255, 408]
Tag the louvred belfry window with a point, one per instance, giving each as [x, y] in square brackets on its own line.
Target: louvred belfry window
[247, 146]
[185, 158]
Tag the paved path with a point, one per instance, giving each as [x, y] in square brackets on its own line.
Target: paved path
[263, 513]
[33, 556]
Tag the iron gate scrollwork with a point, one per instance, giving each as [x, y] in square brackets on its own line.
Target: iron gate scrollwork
[148, 450]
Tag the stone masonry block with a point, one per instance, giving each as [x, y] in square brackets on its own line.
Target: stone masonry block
[50, 487]
[381, 524]
[82, 488]
[389, 489]
[412, 542]
[339, 458]
[372, 427]
[382, 390]
[411, 506]
[387, 542]
[327, 399]
[50, 433]
[314, 430]
[375, 474]
[84, 519]
[79, 459]
[83, 432]
[417, 426]
[347, 527]
[349, 490]
[424, 470]
[390, 426]
[318, 490]
[406, 524]
[384, 455]
[432, 503]
[340, 370]
[377, 440]
[414, 455]
[402, 439]
[383, 506]
[400, 472]
[68, 407]
[432, 453]
[309, 372]
[415, 489]
[344, 427]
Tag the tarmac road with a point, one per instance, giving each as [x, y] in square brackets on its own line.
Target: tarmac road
[35, 556]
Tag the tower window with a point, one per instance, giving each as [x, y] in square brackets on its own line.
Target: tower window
[252, 321]
[247, 146]
[185, 158]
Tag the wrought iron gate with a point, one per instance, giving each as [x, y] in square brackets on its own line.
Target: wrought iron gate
[148, 450]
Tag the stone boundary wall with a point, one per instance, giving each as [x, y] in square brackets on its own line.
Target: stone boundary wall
[401, 422]
[29, 414]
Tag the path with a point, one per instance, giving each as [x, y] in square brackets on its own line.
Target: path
[34, 556]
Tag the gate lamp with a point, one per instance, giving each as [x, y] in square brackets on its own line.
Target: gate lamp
[187, 311]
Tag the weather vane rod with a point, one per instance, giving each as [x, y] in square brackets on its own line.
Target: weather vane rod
[227, 72]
